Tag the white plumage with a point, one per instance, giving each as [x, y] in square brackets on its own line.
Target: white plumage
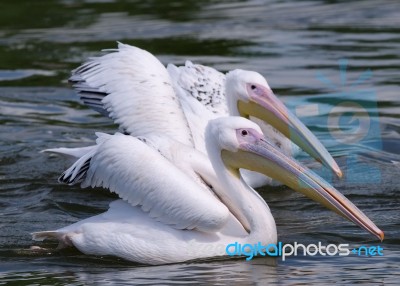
[135, 169]
[131, 86]
[202, 91]
[177, 205]
[166, 216]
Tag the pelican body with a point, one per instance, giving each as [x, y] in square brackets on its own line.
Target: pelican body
[171, 213]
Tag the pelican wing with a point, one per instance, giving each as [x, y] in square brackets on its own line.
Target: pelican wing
[132, 87]
[201, 92]
[205, 84]
[140, 175]
[72, 153]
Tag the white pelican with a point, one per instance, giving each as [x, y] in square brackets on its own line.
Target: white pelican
[166, 216]
[132, 87]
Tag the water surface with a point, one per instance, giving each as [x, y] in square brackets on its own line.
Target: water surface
[299, 46]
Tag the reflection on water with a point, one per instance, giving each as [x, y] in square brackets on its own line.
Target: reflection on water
[289, 42]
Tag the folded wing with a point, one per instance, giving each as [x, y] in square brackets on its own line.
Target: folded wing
[143, 177]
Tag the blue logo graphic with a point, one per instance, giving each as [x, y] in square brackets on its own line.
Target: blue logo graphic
[346, 120]
[286, 250]
[368, 250]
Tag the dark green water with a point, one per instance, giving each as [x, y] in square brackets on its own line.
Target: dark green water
[299, 46]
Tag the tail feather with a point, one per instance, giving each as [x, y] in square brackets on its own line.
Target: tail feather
[63, 239]
[43, 235]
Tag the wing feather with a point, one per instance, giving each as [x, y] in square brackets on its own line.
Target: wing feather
[74, 153]
[205, 84]
[144, 178]
[132, 87]
[201, 92]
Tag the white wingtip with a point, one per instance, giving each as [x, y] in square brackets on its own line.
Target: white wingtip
[69, 152]
[77, 172]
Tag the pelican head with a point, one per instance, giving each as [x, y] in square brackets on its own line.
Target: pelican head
[250, 95]
[239, 143]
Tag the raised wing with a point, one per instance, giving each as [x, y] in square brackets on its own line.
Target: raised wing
[132, 87]
[205, 84]
[201, 92]
[140, 175]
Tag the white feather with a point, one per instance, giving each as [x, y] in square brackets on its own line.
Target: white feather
[143, 177]
[166, 216]
[137, 92]
[69, 152]
[131, 86]
[129, 233]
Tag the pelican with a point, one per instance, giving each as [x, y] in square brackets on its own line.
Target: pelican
[134, 88]
[165, 216]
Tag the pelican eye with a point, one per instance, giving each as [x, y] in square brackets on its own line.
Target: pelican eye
[244, 132]
[253, 87]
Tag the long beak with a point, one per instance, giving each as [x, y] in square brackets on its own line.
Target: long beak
[263, 157]
[271, 110]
